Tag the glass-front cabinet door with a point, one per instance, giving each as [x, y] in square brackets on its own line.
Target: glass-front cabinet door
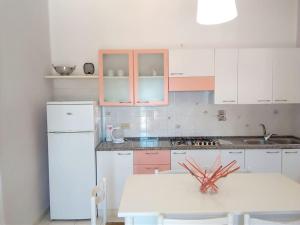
[151, 77]
[116, 77]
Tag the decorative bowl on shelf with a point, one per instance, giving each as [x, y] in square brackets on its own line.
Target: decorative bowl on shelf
[64, 70]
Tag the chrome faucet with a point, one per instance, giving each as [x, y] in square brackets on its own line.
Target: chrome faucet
[266, 136]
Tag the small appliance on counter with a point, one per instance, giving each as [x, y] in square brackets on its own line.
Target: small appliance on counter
[114, 134]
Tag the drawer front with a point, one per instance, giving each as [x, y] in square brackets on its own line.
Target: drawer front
[206, 83]
[150, 169]
[153, 157]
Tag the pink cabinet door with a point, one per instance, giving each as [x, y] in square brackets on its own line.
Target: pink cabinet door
[149, 169]
[152, 157]
[116, 77]
[151, 74]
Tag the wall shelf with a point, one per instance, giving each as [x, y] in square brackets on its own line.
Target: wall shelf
[115, 77]
[151, 77]
[72, 77]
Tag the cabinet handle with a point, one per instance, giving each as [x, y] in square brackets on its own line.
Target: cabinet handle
[151, 168]
[228, 101]
[177, 73]
[142, 101]
[152, 153]
[124, 154]
[124, 102]
[69, 113]
[235, 152]
[294, 152]
[263, 100]
[179, 153]
[273, 152]
[281, 100]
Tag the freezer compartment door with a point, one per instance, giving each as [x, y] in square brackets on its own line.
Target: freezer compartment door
[72, 174]
[70, 118]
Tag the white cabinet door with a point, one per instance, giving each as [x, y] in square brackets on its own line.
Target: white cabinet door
[178, 156]
[286, 77]
[291, 163]
[191, 62]
[233, 154]
[255, 76]
[226, 77]
[263, 160]
[116, 166]
[205, 158]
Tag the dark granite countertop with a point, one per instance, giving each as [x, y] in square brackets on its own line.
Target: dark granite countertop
[163, 143]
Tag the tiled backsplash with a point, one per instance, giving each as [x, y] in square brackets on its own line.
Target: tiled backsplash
[193, 114]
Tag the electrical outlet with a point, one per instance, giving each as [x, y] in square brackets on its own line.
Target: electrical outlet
[221, 115]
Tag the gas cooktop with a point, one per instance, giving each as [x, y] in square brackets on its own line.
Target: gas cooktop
[192, 141]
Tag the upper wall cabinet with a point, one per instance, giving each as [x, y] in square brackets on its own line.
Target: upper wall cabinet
[151, 72]
[133, 77]
[255, 76]
[116, 77]
[226, 76]
[191, 62]
[191, 70]
[286, 75]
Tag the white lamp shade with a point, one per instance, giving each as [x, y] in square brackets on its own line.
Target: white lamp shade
[210, 12]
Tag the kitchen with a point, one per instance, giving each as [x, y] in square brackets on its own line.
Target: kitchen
[261, 24]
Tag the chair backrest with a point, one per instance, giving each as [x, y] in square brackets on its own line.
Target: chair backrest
[272, 219]
[98, 201]
[226, 220]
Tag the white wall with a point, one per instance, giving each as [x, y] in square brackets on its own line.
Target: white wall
[25, 56]
[79, 28]
[298, 25]
[297, 121]
[1, 203]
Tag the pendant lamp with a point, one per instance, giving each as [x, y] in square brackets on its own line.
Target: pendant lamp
[211, 12]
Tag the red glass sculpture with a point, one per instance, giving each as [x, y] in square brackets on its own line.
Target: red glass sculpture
[208, 179]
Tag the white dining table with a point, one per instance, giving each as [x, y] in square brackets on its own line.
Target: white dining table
[178, 194]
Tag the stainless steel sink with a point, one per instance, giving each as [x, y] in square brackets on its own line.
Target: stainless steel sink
[289, 141]
[284, 141]
[257, 142]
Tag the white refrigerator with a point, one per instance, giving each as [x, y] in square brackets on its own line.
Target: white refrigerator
[72, 138]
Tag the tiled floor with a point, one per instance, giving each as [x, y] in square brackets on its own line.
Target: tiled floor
[46, 221]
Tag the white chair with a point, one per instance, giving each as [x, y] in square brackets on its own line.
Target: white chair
[98, 201]
[272, 219]
[226, 220]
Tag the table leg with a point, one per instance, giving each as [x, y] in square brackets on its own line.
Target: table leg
[128, 220]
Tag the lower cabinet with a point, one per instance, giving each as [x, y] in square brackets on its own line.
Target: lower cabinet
[116, 167]
[291, 163]
[229, 155]
[263, 160]
[206, 158]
